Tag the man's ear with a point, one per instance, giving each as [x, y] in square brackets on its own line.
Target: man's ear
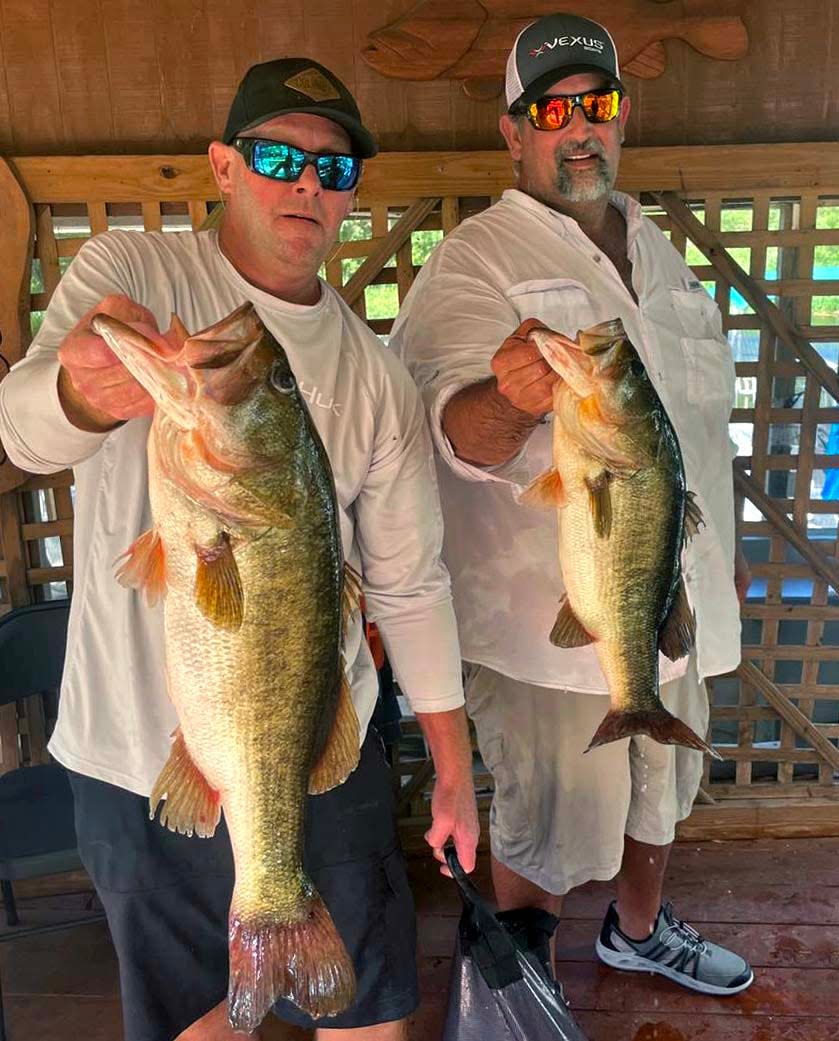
[511, 130]
[222, 157]
[623, 116]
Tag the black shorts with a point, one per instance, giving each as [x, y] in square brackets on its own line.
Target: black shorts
[167, 897]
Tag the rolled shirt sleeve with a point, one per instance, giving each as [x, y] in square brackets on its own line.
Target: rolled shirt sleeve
[34, 430]
[399, 532]
[453, 350]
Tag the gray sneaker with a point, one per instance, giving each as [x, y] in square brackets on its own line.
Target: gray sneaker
[675, 950]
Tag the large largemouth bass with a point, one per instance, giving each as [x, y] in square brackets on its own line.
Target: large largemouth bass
[245, 549]
[618, 481]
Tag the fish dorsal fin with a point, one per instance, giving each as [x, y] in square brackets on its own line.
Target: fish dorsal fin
[341, 752]
[600, 503]
[568, 630]
[351, 596]
[693, 517]
[218, 584]
[678, 634]
[649, 63]
[191, 805]
[145, 566]
[545, 490]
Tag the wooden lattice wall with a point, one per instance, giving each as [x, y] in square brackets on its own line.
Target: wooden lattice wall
[765, 219]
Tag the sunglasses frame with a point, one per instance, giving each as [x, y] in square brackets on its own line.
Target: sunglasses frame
[246, 147]
[576, 102]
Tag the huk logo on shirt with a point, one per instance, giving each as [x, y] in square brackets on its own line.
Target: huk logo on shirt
[569, 41]
[311, 393]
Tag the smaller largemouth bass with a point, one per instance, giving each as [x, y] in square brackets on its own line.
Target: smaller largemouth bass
[245, 551]
[618, 482]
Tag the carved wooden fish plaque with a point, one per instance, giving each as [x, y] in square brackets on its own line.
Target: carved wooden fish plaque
[469, 40]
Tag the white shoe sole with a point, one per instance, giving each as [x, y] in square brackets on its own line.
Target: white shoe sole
[635, 963]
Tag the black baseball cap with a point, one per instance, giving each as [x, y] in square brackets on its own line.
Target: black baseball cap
[554, 47]
[275, 88]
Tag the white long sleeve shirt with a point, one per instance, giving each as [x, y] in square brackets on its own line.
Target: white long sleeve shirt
[519, 259]
[115, 719]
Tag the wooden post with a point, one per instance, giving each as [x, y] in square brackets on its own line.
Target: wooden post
[17, 232]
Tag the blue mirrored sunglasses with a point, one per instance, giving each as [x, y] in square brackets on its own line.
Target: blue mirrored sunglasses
[282, 162]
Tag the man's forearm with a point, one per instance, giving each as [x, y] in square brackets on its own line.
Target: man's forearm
[483, 427]
[80, 412]
[447, 734]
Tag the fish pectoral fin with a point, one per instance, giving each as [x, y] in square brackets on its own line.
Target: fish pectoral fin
[145, 566]
[568, 630]
[341, 752]
[693, 517]
[600, 503]
[218, 584]
[678, 634]
[545, 490]
[190, 804]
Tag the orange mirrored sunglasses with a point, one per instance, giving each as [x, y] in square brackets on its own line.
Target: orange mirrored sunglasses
[554, 111]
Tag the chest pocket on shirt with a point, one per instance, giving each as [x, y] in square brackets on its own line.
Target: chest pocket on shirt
[709, 366]
[561, 303]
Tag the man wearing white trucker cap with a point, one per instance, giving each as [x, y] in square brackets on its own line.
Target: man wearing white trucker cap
[565, 251]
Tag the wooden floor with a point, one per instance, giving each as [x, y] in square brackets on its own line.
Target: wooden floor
[775, 901]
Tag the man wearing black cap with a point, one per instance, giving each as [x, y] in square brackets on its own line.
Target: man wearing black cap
[287, 167]
[564, 251]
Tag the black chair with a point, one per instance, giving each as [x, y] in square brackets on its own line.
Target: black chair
[37, 831]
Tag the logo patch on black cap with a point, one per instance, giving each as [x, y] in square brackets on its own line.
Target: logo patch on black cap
[314, 85]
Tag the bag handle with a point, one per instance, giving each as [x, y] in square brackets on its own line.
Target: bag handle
[489, 944]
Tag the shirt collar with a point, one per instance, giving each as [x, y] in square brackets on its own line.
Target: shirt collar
[629, 208]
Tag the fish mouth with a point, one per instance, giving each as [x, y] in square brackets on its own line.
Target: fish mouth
[602, 337]
[212, 363]
[566, 358]
[147, 362]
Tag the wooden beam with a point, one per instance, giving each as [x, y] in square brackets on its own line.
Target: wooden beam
[398, 177]
[726, 819]
[823, 565]
[790, 713]
[761, 819]
[385, 249]
[777, 321]
[14, 551]
[414, 787]
[17, 232]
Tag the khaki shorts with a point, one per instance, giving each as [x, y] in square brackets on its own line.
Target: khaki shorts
[558, 816]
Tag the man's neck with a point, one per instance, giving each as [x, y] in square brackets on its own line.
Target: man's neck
[292, 285]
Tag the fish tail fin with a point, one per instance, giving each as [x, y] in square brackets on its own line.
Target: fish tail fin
[717, 36]
[303, 960]
[144, 566]
[658, 723]
[191, 805]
